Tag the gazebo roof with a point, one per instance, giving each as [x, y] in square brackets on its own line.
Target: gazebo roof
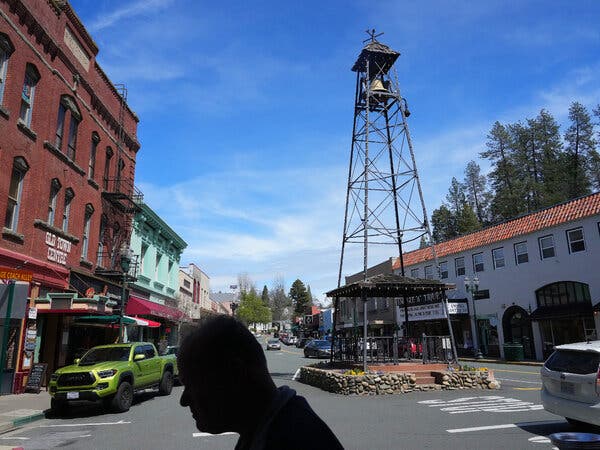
[377, 54]
[388, 285]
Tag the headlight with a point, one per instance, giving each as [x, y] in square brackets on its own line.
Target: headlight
[106, 373]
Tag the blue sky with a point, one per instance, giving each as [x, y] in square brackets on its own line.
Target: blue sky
[246, 109]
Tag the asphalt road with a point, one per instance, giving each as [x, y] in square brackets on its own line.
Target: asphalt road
[509, 418]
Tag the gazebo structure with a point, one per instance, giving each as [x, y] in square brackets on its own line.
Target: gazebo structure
[403, 291]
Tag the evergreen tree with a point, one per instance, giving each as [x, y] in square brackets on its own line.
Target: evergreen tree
[265, 297]
[594, 160]
[547, 133]
[466, 219]
[299, 297]
[476, 191]
[444, 224]
[309, 294]
[423, 243]
[580, 141]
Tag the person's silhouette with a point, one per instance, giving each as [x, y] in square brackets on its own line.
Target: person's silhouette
[227, 387]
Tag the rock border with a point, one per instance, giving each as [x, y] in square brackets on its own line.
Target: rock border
[382, 383]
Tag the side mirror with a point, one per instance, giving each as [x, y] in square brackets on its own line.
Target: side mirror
[76, 361]
[139, 357]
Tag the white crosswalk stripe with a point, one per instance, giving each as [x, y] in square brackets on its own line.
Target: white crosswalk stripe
[489, 403]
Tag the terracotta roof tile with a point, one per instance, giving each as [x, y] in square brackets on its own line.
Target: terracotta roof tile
[530, 223]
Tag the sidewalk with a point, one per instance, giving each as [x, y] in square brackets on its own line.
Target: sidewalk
[19, 409]
[501, 361]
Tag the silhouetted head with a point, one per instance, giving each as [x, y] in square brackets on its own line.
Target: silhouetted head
[224, 371]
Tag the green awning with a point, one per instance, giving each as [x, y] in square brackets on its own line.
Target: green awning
[105, 319]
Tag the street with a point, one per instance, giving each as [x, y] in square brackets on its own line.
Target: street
[508, 418]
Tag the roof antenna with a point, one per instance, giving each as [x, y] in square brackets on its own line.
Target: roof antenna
[373, 35]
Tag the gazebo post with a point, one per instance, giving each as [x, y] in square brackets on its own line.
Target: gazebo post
[363, 297]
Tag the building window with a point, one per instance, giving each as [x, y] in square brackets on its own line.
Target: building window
[459, 266]
[67, 111]
[563, 293]
[143, 257]
[101, 236]
[120, 169]
[546, 247]
[69, 194]
[60, 125]
[32, 76]
[109, 155]
[414, 273]
[444, 270]
[85, 240]
[576, 241]
[72, 145]
[478, 262]
[157, 266]
[429, 272]
[521, 255]
[15, 191]
[186, 284]
[93, 149]
[498, 257]
[54, 190]
[6, 49]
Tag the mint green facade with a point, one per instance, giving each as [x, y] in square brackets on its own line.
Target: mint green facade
[159, 251]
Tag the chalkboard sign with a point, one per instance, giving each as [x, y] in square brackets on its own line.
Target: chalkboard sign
[37, 377]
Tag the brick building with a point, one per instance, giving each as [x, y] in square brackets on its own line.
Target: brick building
[67, 159]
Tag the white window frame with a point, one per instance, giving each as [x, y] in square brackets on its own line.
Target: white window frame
[429, 276]
[475, 264]
[6, 50]
[54, 190]
[518, 254]
[60, 125]
[85, 240]
[542, 248]
[457, 267]
[444, 270]
[414, 273]
[499, 260]
[72, 140]
[93, 152]
[571, 242]
[19, 170]
[27, 98]
[69, 196]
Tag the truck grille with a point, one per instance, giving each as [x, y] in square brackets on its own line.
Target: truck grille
[76, 379]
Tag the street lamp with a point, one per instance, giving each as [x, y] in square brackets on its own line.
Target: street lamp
[472, 285]
[125, 262]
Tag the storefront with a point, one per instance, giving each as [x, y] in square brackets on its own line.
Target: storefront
[565, 314]
[168, 317]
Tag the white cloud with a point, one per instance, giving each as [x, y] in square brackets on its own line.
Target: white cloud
[127, 12]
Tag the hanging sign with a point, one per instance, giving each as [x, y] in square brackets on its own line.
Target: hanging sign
[15, 274]
[58, 248]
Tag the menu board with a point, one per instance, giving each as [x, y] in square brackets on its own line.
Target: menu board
[37, 377]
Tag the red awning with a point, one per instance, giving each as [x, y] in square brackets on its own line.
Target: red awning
[139, 306]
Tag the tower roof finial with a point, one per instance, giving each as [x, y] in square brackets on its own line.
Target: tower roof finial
[372, 35]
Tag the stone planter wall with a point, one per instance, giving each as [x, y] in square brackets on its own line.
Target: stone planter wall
[392, 383]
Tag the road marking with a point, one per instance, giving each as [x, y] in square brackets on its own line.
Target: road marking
[528, 389]
[539, 440]
[490, 403]
[15, 437]
[296, 375]
[514, 371]
[97, 424]
[506, 425]
[213, 435]
[520, 381]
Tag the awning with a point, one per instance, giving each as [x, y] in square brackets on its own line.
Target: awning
[562, 311]
[145, 322]
[105, 319]
[138, 306]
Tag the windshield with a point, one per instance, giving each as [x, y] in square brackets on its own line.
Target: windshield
[321, 344]
[273, 341]
[103, 354]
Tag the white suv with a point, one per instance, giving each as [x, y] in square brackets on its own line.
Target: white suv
[571, 382]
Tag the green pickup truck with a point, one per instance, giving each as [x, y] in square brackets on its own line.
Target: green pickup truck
[112, 373]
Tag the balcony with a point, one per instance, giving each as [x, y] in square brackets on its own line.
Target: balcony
[108, 264]
[122, 194]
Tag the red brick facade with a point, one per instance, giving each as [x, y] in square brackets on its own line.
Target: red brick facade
[47, 35]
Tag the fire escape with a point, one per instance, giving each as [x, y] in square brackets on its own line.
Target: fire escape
[120, 202]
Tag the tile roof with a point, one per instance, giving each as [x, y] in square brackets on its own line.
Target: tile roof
[530, 223]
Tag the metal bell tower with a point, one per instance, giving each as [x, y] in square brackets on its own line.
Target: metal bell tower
[384, 201]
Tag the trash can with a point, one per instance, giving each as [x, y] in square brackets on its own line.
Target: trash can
[513, 352]
[568, 441]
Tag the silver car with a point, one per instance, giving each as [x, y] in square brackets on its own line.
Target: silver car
[273, 344]
[571, 383]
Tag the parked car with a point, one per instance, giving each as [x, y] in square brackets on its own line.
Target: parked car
[571, 382]
[317, 348]
[112, 373]
[171, 350]
[292, 340]
[273, 344]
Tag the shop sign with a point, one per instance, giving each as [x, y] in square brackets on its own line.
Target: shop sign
[32, 313]
[15, 274]
[58, 248]
[432, 311]
[458, 308]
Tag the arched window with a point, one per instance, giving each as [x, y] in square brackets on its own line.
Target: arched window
[93, 149]
[85, 240]
[67, 112]
[32, 76]
[109, 155]
[69, 195]
[6, 49]
[563, 293]
[54, 190]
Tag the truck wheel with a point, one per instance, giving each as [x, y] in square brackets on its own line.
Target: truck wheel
[58, 407]
[166, 383]
[121, 402]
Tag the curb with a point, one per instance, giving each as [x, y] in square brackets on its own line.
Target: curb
[496, 361]
[10, 426]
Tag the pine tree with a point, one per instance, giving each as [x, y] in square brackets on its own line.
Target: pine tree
[265, 297]
[476, 191]
[580, 142]
[546, 131]
[299, 298]
[467, 220]
[444, 224]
